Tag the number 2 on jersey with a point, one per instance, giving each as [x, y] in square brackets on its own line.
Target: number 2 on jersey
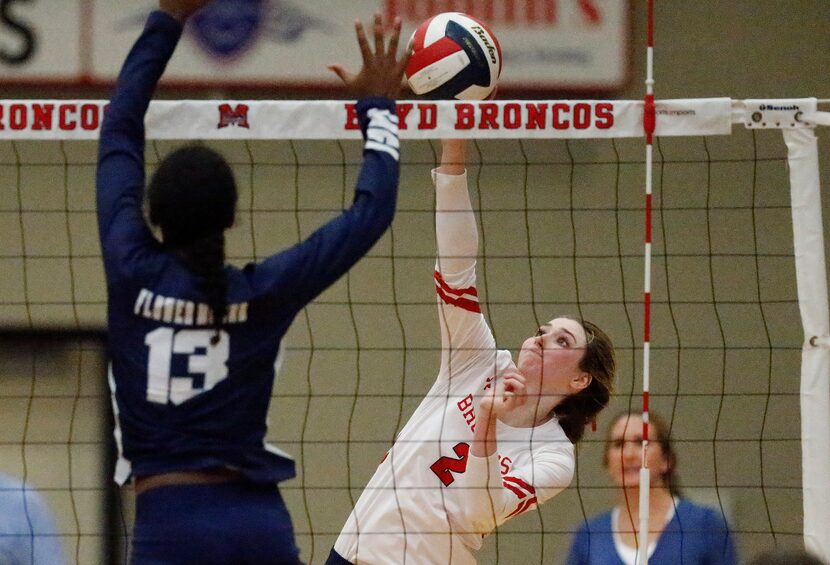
[210, 363]
[445, 466]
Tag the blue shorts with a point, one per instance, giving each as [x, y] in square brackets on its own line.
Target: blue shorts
[213, 524]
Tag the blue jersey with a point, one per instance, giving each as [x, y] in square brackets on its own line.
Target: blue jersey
[28, 532]
[180, 402]
[696, 535]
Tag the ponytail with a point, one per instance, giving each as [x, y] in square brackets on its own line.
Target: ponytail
[205, 258]
[192, 197]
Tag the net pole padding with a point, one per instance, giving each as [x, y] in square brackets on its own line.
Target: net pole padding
[808, 237]
[649, 124]
[818, 118]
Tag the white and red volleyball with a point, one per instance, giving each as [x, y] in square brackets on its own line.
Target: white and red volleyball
[454, 56]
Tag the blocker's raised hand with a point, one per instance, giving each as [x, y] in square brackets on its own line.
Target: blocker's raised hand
[382, 71]
[181, 9]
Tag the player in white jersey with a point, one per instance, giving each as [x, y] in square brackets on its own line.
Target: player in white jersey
[492, 438]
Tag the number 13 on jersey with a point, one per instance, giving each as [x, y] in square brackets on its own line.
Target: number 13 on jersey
[203, 358]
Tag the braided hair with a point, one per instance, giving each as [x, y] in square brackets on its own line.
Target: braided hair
[192, 198]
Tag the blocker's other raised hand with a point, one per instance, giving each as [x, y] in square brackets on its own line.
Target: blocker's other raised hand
[382, 71]
[181, 9]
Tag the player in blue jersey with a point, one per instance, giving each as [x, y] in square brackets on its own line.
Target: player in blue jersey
[194, 344]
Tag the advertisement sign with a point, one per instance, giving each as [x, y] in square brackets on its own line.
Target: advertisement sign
[547, 45]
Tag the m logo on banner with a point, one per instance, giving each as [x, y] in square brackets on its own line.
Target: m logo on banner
[233, 116]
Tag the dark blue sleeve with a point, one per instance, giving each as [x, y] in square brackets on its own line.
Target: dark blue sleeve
[124, 234]
[303, 271]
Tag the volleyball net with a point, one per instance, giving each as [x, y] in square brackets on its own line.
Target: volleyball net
[739, 319]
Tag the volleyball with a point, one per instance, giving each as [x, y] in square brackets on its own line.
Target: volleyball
[453, 56]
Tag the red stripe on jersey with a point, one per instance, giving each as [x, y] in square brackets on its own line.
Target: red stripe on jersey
[517, 491]
[521, 483]
[436, 51]
[522, 507]
[518, 510]
[464, 303]
[457, 291]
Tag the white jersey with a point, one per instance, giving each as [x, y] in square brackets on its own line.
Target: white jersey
[431, 501]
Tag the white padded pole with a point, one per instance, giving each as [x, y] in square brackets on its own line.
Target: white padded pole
[808, 235]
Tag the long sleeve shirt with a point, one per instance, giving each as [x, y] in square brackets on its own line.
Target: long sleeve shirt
[431, 501]
[182, 403]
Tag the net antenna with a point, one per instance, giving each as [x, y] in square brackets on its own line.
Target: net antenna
[648, 128]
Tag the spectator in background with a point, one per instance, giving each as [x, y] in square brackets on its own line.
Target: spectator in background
[28, 534]
[679, 530]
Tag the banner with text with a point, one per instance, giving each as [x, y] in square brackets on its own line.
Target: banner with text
[335, 119]
[546, 44]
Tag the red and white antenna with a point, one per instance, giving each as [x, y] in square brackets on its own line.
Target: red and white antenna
[648, 126]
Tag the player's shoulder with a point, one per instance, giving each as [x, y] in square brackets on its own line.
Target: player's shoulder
[547, 442]
[552, 437]
[700, 512]
[264, 277]
[548, 456]
[248, 283]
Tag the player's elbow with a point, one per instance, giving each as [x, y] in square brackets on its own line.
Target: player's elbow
[378, 210]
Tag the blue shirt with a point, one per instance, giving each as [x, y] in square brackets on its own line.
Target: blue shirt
[696, 535]
[28, 534]
[180, 403]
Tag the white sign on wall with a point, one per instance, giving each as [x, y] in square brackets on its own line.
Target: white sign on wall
[546, 44]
